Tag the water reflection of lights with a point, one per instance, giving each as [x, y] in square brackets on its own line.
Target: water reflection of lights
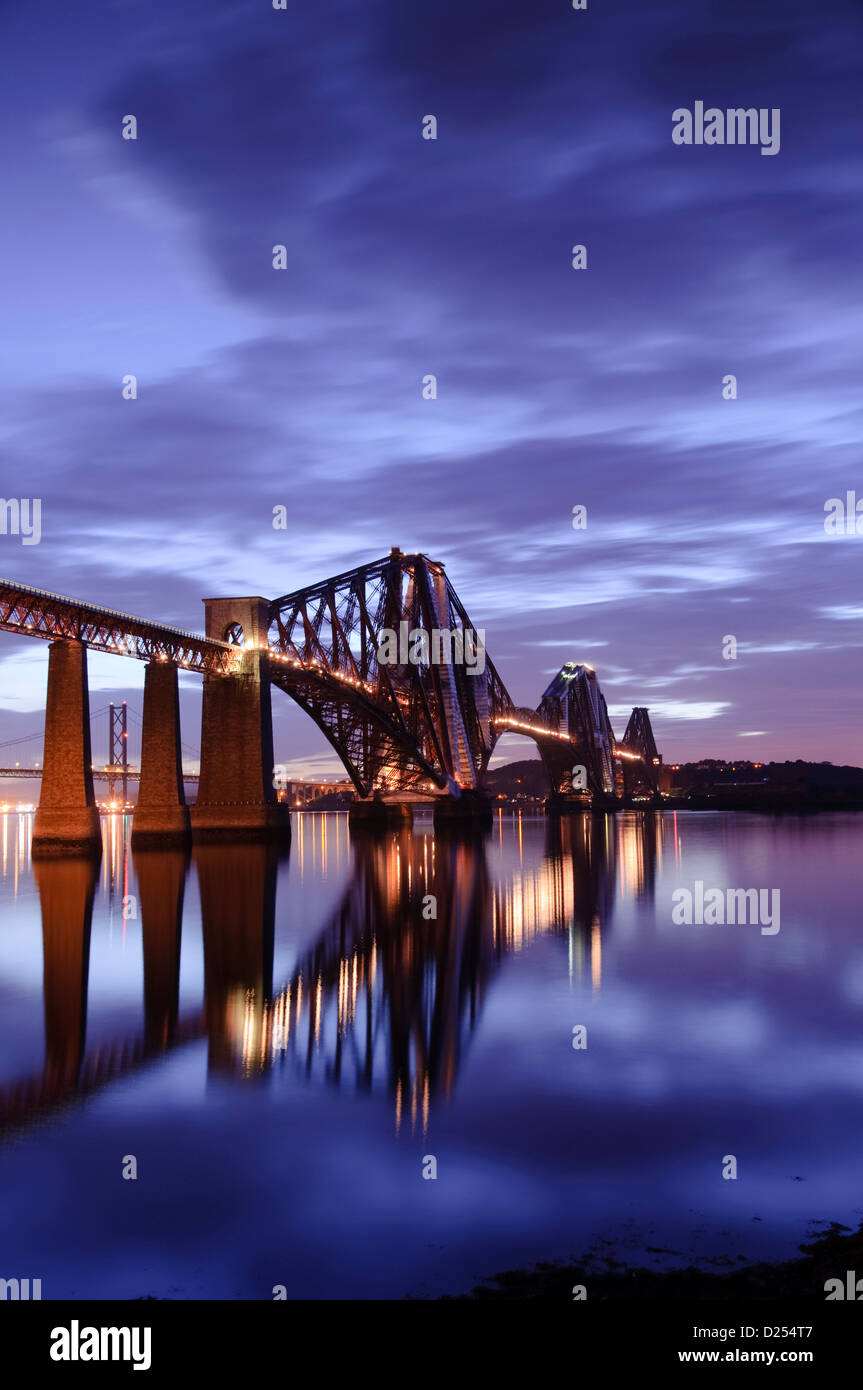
[385, 995]
[16, 838]
[341, 1012]
[334, 836]
[116, 831]
[249, 1020]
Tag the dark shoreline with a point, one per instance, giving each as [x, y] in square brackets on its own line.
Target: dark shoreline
[791, 788]
[768, 803]
[829, 1255]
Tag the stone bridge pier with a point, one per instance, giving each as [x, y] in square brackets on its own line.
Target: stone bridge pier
[67, 820]
[161, 816]
[236, 797]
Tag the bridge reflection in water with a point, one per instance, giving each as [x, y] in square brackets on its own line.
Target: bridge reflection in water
[386, 997]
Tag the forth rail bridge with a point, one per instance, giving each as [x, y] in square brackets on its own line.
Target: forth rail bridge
[404, 733]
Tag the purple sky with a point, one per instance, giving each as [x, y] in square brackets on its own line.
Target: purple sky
[406, 257]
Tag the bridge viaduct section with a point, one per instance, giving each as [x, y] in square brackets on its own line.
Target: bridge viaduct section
[236, 796]
[405, 725]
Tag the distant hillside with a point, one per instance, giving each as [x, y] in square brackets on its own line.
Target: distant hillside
[527, 778]
[718, 772]
[714, 784]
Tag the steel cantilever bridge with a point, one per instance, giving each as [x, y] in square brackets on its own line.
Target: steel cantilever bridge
[400, 726]
[425, 725]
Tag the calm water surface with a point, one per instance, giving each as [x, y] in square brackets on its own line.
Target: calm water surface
[280, 1040]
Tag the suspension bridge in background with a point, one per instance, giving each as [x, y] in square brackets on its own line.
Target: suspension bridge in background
[117, 771]
[417, 722]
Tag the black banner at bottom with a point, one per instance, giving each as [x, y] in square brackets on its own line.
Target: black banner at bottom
[159, 1339]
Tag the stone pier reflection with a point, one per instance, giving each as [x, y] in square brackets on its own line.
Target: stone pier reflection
[161, 876]
[72, 1066]
[238, 901]
[66, 888]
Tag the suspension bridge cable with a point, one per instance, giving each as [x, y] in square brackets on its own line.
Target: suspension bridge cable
[29, 738]
[187, 747]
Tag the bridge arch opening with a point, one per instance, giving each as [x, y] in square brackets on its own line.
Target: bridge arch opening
[509, 747]
[365, 740]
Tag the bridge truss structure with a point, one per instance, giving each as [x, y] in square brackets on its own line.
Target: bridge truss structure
[384, 658]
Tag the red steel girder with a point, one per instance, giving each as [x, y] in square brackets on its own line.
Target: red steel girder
[53, 617]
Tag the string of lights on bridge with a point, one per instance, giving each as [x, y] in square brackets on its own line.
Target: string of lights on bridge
[537, 730]
[542, 730]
